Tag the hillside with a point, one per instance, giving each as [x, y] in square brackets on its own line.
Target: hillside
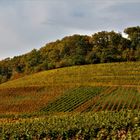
[101, 47]
[110, 86]
[99, 101]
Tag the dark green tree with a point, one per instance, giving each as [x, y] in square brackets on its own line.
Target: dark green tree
[134, 35]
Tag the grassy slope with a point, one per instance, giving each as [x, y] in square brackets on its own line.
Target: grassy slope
[33, 92]
[97, 74]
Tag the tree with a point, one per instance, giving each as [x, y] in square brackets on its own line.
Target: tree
[134, 35]
[32, 60]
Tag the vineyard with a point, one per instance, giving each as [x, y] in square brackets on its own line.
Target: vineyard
[96, 99]
[86, 126]
[99, 87]
[82, 102]
[72, 99]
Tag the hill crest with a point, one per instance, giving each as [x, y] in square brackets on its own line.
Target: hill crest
[101, 47]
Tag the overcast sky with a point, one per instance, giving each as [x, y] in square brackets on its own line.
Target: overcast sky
[28, 24]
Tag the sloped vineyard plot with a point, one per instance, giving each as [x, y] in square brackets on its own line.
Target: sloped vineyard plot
[72, 99]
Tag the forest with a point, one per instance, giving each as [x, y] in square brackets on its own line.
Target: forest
[101, 47]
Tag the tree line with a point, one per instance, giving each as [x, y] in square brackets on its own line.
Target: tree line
[101, 47]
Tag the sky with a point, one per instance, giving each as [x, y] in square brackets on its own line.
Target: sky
[29, 24]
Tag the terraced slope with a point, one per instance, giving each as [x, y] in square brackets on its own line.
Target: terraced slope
[118, 86]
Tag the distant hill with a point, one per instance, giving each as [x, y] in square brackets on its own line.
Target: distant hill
[101, 47]
[110, 86]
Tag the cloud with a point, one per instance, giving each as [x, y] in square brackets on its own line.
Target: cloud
[29, 24]
[123, 15]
